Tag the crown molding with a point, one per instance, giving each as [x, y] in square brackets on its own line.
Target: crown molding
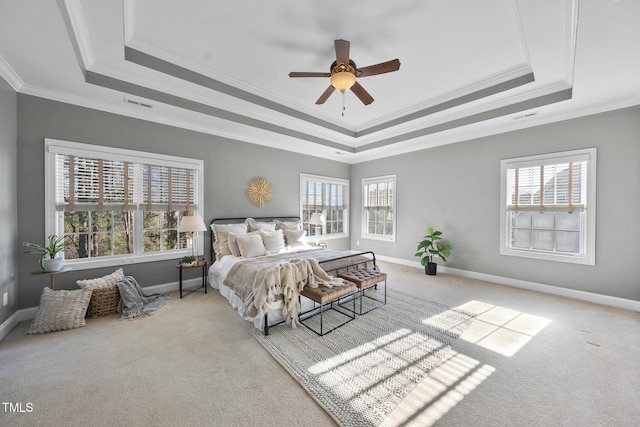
[11, 77]
[73, 17]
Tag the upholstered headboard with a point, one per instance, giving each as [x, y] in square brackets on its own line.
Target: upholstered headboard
[241, 220]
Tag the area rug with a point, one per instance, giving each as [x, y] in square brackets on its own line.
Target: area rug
[361, 371]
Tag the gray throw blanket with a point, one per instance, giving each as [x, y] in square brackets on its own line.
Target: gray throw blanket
[133, 302]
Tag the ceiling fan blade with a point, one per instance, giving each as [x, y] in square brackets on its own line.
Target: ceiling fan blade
[359, 91]
[383, 67]
[306, 74]
[325, 95]
[342, 52]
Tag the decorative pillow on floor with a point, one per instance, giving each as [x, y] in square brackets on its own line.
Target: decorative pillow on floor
[104, 281]
[61, 310]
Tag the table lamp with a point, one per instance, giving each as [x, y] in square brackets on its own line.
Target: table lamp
[194, 224]
[317, 219]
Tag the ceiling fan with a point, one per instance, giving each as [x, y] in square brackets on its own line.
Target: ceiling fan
[343, 74]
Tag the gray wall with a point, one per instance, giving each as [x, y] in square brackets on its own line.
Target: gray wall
[8, 189]
[229, 165]
[456, 188]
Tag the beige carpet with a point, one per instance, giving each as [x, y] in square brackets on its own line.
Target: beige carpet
[361, 371]
[528, 359]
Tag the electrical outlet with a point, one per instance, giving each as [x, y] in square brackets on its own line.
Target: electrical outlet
[5, 299]
[357, 242]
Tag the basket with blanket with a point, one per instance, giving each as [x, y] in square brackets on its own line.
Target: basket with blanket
[105, 296]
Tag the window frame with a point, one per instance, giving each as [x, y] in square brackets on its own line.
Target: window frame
[52, 220]
[588, 221]
[365, 227]
[326, 180]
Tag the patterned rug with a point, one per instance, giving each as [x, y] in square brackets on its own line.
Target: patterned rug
[361, 371]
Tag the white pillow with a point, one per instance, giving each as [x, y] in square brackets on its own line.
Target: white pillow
[288, 225]
[221, 233]
[251, 245]
[273, 241]
[101, 282]
[259, 226]
[295, 238]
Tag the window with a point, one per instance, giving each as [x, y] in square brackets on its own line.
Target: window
[329, 196]
[548, 206]
[117, 206]
[379, 215]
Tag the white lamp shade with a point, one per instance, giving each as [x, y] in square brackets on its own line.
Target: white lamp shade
[316, 219]
[192, 223]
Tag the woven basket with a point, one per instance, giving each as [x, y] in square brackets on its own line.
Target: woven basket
[104, 301]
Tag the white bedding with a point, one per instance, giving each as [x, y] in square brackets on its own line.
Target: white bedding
[219, 270]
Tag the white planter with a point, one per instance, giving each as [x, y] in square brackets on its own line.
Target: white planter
[53, 264]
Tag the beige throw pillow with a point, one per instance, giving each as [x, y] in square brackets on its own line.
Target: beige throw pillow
[259, 226]
[221, 233]
[288, 225]
[101, 282]
[295, 238]
[61, 310]
[273, 241]
[251, 245]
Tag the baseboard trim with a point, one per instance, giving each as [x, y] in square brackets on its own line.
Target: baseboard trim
[15, 318]
[617, 302]
[30, 313]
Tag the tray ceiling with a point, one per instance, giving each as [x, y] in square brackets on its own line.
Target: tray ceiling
[468, 68]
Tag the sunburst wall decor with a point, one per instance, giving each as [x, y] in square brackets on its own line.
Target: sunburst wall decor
[259, 191]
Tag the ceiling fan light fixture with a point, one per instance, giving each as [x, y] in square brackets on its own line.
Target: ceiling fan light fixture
[343, 80]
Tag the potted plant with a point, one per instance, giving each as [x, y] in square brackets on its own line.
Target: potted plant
[188, 260]
[49, 259]
[430, 247]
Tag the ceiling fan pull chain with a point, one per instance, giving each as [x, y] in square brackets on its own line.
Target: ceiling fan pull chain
[343, 107]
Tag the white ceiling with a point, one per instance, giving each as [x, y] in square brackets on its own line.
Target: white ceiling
[469, 68]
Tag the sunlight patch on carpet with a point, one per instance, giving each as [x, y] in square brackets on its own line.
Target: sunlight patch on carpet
[500, 329]
[455, 377]
[361, 371]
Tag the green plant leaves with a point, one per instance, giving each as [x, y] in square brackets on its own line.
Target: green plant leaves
[430, 247]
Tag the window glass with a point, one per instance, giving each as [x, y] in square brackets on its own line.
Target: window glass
[328, 196]
[379, 214]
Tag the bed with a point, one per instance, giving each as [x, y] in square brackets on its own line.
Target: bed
[256, 261]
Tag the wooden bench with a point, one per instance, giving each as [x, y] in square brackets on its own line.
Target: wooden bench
[325, 296]
[365, 279]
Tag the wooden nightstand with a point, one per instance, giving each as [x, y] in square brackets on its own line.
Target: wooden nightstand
[202, 264]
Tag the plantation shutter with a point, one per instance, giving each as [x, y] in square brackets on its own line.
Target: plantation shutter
[169, 188]
[322, 196]
[93, 184]
[555, 187]
[379, 195]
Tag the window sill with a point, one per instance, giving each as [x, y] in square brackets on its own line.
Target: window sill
[571, 259]
[120, 262]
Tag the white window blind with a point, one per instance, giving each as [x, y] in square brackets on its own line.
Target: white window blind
[93, 184]
[558, 187]
[379, 195]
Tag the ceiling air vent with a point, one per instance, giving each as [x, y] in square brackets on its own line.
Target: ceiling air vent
[137, 103]
[525, 115]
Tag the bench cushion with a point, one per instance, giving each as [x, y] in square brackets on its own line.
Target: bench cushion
[364, 278]
[323, 294]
